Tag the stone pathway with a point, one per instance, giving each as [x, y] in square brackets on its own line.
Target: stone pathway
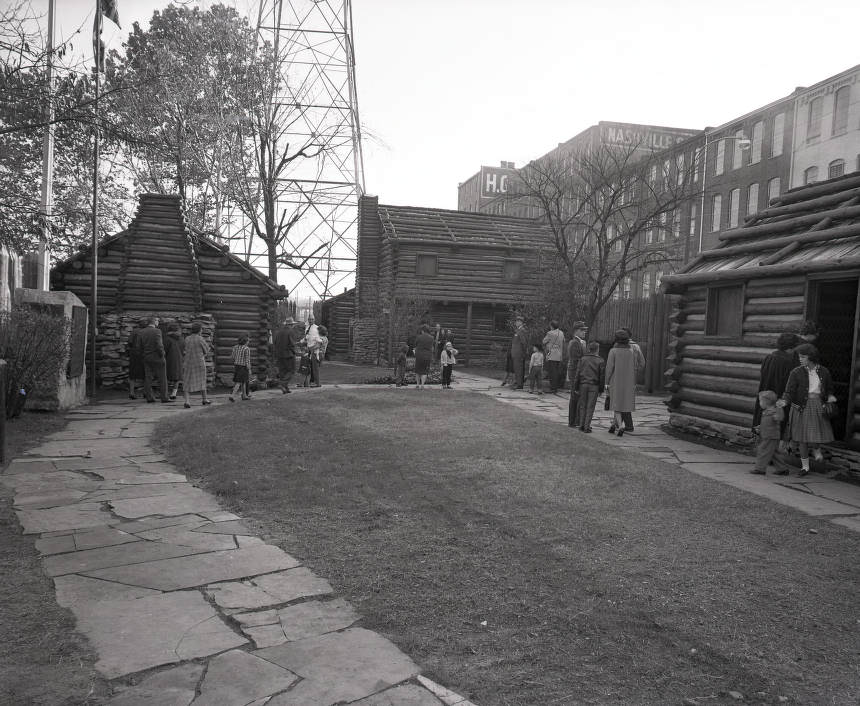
[185, 606]
[182, 603]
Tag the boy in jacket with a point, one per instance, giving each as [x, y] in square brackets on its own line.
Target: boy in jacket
[590, 378]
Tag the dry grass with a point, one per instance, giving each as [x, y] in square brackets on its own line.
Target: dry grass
[520, 563]
[42, 659]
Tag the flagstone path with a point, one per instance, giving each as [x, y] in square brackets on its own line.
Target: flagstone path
[185, 606]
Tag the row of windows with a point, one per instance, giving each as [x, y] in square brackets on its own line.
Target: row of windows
[650, 284]
[839, 118]
[835, 169]
[740, 143]
[734, 204]
[427, 265]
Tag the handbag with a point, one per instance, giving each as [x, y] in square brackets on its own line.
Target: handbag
[830, 409]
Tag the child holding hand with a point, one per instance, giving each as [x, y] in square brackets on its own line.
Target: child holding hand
[536, 369]
[768, 431]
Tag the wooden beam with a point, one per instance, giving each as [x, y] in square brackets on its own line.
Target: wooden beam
[676, 282]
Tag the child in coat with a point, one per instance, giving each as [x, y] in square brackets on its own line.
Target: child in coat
[447, 361]
[768, 432]
[589, 381]
[241, 356]
[400, 366]
[536, 369]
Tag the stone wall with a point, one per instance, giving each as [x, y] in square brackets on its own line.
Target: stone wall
[727, 433]
[112, 342]
[366, 344]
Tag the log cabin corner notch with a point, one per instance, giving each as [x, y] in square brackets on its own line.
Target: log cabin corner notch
[468, 268]
[798, 259]
[157, 266]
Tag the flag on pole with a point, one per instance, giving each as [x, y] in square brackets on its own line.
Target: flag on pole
[108, 9]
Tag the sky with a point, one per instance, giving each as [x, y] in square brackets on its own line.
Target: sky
[445, 86]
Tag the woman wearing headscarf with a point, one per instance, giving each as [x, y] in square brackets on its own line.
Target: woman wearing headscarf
[621, 380]
[809, 387]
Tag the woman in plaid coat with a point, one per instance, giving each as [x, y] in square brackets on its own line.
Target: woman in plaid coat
[194, 365]
[809, 387]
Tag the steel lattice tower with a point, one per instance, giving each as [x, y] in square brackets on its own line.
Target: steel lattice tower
[313, 50]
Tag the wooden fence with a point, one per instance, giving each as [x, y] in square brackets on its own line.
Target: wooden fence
[648, 319]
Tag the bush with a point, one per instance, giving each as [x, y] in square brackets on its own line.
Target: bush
[34, 341]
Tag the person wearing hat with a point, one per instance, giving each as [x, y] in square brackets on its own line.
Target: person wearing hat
[284, 349]
[135, 358]
[575, 350]
[519, 351]
[621, 380]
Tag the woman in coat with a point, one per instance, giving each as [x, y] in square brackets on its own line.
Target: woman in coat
[194, 368]
[173, 347]
[775, 369]
[424, 345]
[809, 386]
[621, 380]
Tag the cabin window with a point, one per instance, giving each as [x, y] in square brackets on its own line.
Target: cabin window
[512, 270]
[501, 322]
[427, 266]
[724, 315]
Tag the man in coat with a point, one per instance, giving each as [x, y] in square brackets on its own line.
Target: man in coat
[575, 350]
[151, 347]
[284, 350]
[519, 351]
[553, 349]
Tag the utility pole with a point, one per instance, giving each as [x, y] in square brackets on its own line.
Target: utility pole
[43, 281]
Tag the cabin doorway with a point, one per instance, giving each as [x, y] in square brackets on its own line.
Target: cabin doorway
[834, 310]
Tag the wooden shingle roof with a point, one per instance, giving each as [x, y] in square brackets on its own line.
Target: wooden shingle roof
[461, 228]
[808, 229]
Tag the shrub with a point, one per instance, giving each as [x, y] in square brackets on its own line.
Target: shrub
[34, 341]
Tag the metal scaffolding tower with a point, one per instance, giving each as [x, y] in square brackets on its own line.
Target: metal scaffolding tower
[312, 44]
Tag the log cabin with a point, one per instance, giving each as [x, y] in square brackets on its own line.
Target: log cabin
[797, 260]
[461, 270]
[158, 267]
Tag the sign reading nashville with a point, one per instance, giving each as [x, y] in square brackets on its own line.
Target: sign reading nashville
[623, 135]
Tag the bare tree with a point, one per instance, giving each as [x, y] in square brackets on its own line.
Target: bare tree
[605, 206]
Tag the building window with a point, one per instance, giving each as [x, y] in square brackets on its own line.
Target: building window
[427, 266]
[649, 236]
[778, 135]
[658, 278]
[676, 223]
[840, 110]
[810, 176]
[836, 168]
[652, 175]
[512, 271]
[716, 211]
[694, 216]
[773, 189]
[813, 125]
[755, 148]
[725, 311]
[697, 163]
[679, 169]
[720, 161]
[667, 174]
[737, 152]
[661, 231]
[616, 293]
[501, 322]
[752, 199]
[626, 288]
[734, 207]
[646, 285]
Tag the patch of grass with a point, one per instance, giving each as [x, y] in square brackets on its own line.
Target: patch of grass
[42, 659]
[520, 563]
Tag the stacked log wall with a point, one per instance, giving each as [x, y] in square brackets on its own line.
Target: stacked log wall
[76, 276]
[714, 380]
[336, 315]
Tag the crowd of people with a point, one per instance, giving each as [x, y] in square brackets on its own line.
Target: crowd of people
[795, 403]
[172, 361]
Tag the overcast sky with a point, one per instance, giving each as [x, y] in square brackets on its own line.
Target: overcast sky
[445, 86]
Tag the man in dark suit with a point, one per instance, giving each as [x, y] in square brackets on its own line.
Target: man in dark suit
[151, 347]
[575, 350]
[284, 347]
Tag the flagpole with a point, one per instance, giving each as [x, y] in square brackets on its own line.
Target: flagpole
[95, 236]
[43, 275]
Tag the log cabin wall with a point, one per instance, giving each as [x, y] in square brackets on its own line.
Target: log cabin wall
[156, 267]
[735, 300]
[336, 315]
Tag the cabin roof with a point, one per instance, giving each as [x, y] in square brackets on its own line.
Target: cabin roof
[146, 203]
[416, 224]
[808, 228]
